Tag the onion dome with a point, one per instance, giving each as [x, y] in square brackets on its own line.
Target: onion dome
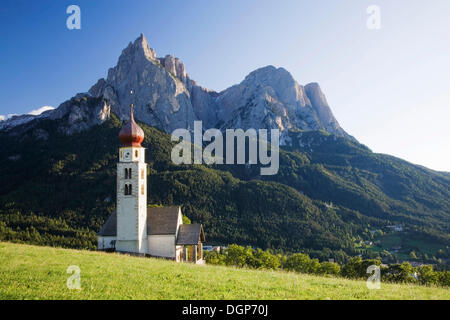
[131, 135]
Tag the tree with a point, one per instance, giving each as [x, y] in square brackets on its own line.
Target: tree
[301, 263]
[186, 220]
[443, 278]
[213, 257]
[329, 268]
[237, 256]
[357, 267]
[426, 275]
[400, 273]
[260, 259]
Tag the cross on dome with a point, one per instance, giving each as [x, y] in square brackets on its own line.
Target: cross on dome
[131, 134]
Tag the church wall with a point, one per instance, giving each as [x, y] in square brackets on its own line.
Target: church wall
[162, 246]
[105, 242]
[131, 246]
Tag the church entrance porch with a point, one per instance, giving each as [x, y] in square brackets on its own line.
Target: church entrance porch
[193, 253]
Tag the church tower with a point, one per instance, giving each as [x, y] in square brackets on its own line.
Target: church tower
[131, 190]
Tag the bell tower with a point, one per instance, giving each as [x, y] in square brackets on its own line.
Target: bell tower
[131, 190]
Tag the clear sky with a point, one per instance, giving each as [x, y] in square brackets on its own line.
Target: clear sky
[390, 88]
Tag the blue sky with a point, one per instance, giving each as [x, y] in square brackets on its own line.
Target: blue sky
[390, 88]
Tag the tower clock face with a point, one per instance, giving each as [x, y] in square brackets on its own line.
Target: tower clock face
[127, 155]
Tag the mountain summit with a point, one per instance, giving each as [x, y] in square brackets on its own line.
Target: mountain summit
[160, 98]
[166, 97]
[270, 98]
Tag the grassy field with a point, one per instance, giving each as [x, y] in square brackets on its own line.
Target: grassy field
[31, 272]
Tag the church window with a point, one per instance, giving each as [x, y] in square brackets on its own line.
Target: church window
[127, 173]
[136, 153]
[142, 190]
[130, 191]
[142, 173]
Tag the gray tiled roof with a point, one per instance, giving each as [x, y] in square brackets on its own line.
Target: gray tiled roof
[109, 229]
[160, 220]
[190, 234]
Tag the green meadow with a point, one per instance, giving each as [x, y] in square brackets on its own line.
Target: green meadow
[33, 272]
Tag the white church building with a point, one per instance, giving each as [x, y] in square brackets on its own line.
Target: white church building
[136, 229]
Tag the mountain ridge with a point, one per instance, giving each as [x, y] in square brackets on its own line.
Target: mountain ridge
[166, 97]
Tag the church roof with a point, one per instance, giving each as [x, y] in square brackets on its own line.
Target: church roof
[190, 234]
[109, 229]
[131, 134]
[160, 221]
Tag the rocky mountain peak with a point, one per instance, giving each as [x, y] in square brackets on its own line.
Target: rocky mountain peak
[174, 66]
[160, 98]
[269, 75]
[271, 98]
[315, 93]
[165, 97]
[323, 111]
[140, 45]
[277, 82]
[136, 53]
[81, 112]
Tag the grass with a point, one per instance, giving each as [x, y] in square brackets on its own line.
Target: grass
[32, 272]
[391, 240]
[407, 242]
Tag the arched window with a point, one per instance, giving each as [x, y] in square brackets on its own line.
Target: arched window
[126, 189]
[127, 173]
[136, 153]
[130, 190]
[142, 190]
[142, 173]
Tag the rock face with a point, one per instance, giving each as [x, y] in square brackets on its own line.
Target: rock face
[174, 66]
[15, 121]
[271, 98]
[160, 98]
[75, 115]
[165, 97]
[323, 111]
[80, 113]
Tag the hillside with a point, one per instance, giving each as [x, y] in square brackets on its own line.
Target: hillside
[61, 188]
[332, 197]
[30, 272]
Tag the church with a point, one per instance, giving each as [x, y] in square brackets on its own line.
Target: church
[136, 229]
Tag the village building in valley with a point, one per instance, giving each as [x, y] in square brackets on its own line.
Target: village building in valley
[136, 229]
